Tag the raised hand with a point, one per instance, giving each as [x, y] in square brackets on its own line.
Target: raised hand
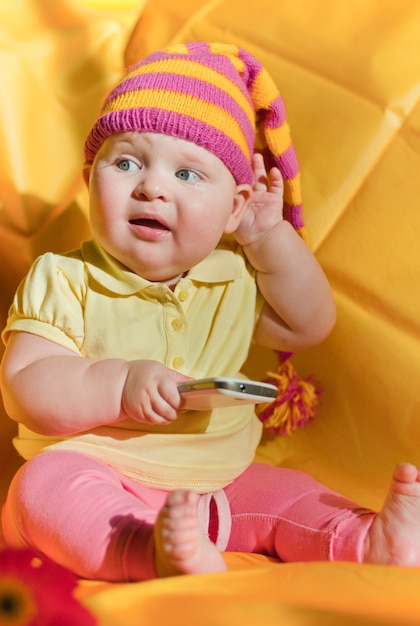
[265, 209]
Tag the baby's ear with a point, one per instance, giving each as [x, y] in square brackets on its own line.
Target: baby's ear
[240, 202]
[86, 172]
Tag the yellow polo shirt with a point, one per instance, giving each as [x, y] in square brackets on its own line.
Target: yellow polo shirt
[88, 302]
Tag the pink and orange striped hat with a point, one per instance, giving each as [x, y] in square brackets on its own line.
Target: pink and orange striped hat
[215, 95]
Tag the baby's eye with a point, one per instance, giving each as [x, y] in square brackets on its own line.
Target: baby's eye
[188, 175]
[126, 165]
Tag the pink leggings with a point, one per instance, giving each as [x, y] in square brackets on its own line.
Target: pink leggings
[98, 523]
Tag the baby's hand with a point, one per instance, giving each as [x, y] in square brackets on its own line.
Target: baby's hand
[150, 394]
[265, 209]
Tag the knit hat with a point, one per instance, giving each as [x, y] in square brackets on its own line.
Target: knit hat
[221, 98]
[217, 96]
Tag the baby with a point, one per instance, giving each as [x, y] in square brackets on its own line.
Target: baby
[196, 251]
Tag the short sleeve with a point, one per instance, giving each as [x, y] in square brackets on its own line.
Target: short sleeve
[49, 301]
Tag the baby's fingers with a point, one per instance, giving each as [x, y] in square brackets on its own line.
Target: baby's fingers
[277, 183]
[158, 411]
[162, 405]
[260, 173]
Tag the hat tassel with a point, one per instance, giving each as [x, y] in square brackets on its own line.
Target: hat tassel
[296, 401]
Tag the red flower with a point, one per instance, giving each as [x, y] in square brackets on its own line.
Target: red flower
[35, 591]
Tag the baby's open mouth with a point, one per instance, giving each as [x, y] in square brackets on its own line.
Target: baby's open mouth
[149, 223]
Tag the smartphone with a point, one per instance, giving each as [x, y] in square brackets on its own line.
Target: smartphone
[204, 394]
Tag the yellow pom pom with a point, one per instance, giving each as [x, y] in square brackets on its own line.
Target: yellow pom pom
[296, 401]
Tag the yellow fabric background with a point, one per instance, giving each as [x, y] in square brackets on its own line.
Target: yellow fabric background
[350, 76]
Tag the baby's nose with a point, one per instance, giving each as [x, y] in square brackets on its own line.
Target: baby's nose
[151, 186]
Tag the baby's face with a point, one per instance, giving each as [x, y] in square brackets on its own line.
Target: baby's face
[160, 204]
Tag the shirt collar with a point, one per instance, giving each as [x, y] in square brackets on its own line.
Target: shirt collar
[222, 265]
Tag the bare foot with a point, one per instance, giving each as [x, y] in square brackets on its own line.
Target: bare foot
[394, 537]
[181, 545]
